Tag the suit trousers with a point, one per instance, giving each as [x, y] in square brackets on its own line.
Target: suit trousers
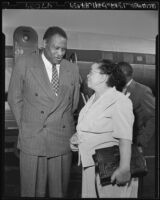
[38, 171]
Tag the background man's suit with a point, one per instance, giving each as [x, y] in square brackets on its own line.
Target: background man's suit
[45, 120]
[144, 111]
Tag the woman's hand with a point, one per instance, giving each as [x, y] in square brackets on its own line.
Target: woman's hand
[121, 176]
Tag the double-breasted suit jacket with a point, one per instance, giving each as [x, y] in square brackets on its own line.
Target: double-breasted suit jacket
[45, 120]
[144, 111]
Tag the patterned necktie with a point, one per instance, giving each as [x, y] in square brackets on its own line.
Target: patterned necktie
[54, 80]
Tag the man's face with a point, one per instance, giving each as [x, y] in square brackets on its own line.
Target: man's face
[55, 48]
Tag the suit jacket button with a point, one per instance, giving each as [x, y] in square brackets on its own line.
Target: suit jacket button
[36, 94]
[63, 126]
[42, 112]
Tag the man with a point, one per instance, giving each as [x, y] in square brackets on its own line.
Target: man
[43, 95]
[143, 108]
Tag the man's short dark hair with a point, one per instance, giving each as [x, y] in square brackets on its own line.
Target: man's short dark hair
[54, 30]
[126, 68]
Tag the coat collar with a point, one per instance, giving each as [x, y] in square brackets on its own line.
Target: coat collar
[103, 103]
[132, 84]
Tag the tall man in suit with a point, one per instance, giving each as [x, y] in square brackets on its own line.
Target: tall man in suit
[43, 95]
[143, 108]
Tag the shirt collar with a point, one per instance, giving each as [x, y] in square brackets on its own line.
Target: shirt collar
[46, 61]
[129, 83]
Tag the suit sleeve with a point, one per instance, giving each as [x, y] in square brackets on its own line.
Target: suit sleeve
[148, 129]
[76, 89]
[15, 91]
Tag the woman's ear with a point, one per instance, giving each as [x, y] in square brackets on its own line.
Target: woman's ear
[105, 78]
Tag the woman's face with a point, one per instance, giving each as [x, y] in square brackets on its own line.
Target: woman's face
[95, 78]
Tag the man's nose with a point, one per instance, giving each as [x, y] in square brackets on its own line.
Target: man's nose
[60, 52]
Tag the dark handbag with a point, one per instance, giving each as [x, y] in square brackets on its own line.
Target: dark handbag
[107, 160]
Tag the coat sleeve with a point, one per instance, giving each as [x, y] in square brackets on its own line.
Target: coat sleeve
[123, 119]
[76, 89]
[15, 91]
[148, 107]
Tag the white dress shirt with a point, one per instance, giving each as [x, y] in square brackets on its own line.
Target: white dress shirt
[129, 82]
[125, 88]
[48, 67]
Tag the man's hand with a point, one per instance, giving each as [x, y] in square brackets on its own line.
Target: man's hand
[74, 147]
[74, 141]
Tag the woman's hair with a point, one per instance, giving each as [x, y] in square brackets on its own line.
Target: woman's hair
[116, 76]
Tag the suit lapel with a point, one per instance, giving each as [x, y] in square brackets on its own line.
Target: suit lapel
[64, 78]
[41, 76]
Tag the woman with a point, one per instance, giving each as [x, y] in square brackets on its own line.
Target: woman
[105, 120]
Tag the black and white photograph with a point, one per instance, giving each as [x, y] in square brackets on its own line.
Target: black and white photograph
[81, 99]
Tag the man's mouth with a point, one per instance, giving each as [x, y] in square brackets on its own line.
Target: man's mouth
[58, 59]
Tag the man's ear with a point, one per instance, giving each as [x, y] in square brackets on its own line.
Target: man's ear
[105, 78]
[44, 43]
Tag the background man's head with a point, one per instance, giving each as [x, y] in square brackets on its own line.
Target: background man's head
[126, 69]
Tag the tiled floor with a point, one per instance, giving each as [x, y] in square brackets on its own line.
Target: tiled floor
[12, 183]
